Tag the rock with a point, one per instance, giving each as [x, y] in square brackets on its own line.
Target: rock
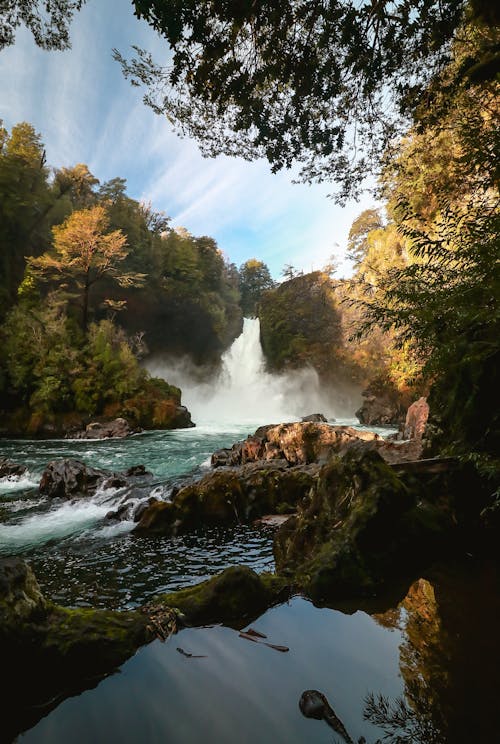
[229, 496]
[416, 419]
[273, 520]
[359, 529]
[70, 478]
[20, 597]
[117, 429]
[136, 470]
[317, 417]
[383, 405]
[116, 481]
[61, 648]
[9, 468]
[234, 595]
[182, 419]
[298, 443]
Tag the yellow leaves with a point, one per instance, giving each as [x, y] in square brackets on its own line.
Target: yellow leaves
[81, 241]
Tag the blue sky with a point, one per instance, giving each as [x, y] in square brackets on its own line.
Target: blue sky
[87, 113]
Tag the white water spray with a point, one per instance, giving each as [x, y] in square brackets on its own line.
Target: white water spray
[244, 392]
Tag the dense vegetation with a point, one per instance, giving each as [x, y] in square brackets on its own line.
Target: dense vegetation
[409, 91]
[90, 281]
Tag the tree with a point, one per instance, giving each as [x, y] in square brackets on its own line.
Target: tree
[255, 278]
[83, 254]
[48, 21]
[357, 246]
[322, 84]
[26, 200]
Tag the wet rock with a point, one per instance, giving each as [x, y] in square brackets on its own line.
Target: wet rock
[229, 496]
[136, 470]
[116, 481]
[120, 514]
[139, 509]
[316, 417]
[70, 478]
[9, 468]
[116, 429]
[182, 418]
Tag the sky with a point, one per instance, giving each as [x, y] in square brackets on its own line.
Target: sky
[86, 112]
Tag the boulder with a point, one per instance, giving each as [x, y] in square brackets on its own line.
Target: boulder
[70, 478]
[361, 528]
[304, 442]
[229, 496]
[20, 597]
[116, 429]
[416, 419]
[182, 418]
[230, 597]
[383, 404]
[9, 468]
[317, 417]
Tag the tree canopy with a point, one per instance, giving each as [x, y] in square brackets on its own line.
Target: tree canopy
[255, 278]
[323, 84]
[84, 253]
[48, 21]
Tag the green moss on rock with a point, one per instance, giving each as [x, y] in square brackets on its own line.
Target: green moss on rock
[228, 496]
[230, 597]
[360, 529]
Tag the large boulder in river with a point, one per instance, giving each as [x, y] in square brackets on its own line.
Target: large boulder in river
[229, 496]
[304, 442]
[70, 478]
[317, 417]
[361, 527]
[9, 468]
[116, 429]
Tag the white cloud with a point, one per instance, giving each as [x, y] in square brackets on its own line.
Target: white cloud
[86, 112]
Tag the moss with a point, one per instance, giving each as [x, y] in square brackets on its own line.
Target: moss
[94, 640]
[227, 496]
[353, 532]
[230, 597]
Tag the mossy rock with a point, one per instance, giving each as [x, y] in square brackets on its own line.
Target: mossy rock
[228, 496]
[233, 596]
[360, 529]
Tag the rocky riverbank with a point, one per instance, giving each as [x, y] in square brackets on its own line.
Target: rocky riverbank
[363, 519]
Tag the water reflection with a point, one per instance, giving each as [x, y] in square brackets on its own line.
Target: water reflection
[449, 661]
[425, 672]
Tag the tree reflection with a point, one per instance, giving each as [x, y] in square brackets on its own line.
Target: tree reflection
[448, 660]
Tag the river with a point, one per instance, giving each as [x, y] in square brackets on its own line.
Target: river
[416, 653]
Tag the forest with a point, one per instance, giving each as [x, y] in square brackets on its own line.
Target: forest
[285, 549]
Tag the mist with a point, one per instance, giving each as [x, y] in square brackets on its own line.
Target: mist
[244, 392]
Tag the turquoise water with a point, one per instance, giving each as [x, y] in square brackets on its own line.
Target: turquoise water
[83, 559]
[437, 651]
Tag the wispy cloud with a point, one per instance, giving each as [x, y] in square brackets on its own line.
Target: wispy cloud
[87, 112]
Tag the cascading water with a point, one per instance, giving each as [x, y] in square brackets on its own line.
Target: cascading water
[244, 392]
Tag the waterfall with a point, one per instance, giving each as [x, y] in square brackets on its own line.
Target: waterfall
[244, 392]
